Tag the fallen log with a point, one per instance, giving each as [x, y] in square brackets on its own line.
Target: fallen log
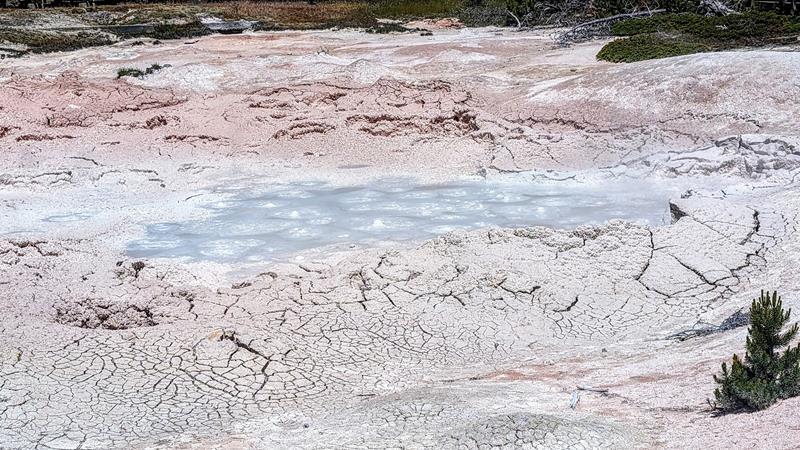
[598, 27]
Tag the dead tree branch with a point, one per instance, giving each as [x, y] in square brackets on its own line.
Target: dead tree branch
[519, 24]
[598, 27]
[714, 8]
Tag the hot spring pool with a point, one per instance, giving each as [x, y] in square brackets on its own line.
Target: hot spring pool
[257, 222]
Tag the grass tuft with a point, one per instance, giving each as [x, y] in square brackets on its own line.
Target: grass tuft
[138, 73]
[391, 27]
[129, 72]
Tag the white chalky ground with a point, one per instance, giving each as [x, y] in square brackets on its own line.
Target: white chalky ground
[125, 323]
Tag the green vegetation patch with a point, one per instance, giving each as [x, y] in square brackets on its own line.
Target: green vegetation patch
[174, 31]
[667, 35]
[415, 9]
[129, 72]
[138, 73]
[46, 42]
[746, 26]
[484, 16]
[297, 15]
[649, 46]
[391, 27]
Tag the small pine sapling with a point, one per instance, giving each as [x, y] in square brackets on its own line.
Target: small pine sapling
[765, 375]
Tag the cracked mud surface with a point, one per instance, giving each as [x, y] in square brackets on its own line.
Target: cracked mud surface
[598, 337]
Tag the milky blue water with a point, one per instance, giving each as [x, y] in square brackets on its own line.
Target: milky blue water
[263, 222]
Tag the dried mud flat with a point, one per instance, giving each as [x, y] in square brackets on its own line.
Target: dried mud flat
[602, 336]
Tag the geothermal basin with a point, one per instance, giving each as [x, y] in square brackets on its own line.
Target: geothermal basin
[429, 220]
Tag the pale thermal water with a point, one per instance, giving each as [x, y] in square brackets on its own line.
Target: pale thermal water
[259, 222]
